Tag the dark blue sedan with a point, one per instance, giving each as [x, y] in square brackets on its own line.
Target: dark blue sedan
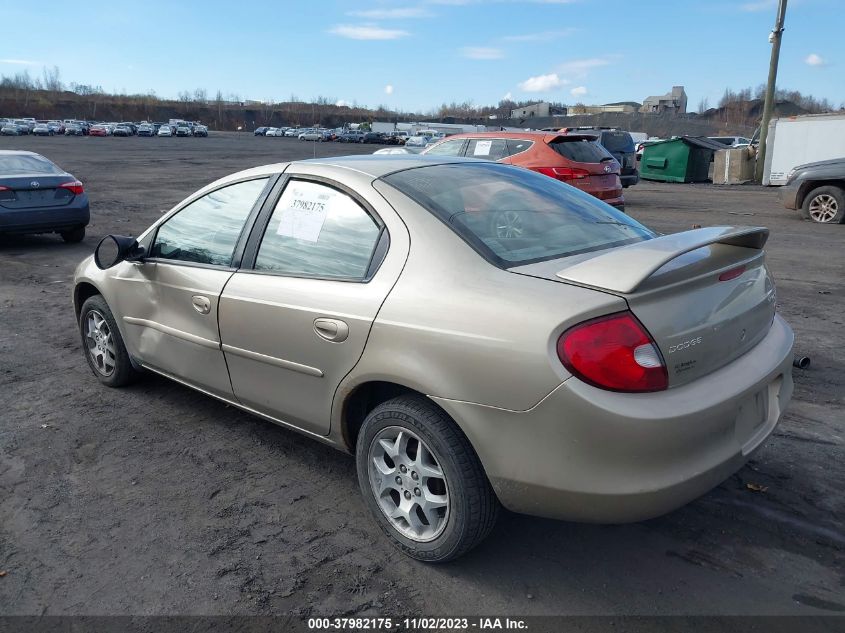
[37, 196]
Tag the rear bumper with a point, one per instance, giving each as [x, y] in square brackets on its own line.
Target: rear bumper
[629, 180]
[45, 220]
[788, 195]
[585, 454]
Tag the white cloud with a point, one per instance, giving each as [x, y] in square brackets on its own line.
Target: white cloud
[759, 5]
[542, 83]
[580, 67]
[542, 36]
[508, 97]
[578, 91]
[815, 60]
[482, 52]
[367, 32]
[388, 89]
[19, 62]
[397, 13]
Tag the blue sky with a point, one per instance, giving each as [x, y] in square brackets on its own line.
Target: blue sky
[416, 55]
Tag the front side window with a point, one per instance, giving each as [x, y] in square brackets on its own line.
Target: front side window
[318, 231]
[207, 230]
[487, 148]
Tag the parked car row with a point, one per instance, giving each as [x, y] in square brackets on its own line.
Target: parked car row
[71, 127]
[345, 135]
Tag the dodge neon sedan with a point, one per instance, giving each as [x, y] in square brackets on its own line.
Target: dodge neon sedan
[475, 334]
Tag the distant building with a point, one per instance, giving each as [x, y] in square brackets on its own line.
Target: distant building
[674, 102]
[537, 109]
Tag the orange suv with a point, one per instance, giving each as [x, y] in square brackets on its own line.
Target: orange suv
[576, 159]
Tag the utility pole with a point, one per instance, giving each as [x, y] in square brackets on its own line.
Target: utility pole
[769, 103]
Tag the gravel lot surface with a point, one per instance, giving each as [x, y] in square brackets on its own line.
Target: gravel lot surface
[158, 500]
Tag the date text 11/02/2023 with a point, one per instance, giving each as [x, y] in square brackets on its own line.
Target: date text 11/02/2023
[416, 624]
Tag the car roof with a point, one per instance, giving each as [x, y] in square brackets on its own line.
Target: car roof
[378, 165]
[372, 165]
[18, 152]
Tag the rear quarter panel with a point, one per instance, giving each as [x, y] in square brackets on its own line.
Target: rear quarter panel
[455, 326]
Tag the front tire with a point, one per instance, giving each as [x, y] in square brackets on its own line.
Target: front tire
[103, 345]
[825, 205]
[73, 236]
[422, 481]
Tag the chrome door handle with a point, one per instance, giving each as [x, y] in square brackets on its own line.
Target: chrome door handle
[201, 304]
[333, 330]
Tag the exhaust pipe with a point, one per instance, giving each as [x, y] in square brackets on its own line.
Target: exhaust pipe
[801, 362]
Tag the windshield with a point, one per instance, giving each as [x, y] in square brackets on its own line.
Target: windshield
[18, 164]
[513, 216]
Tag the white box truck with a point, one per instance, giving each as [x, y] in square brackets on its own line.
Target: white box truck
[797, 140]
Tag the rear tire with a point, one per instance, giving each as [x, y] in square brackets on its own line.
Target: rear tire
[825, 205]
[103, 345]
[409, 434]
[74, 235]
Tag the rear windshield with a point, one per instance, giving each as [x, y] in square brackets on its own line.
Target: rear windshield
[513, 216]
[24, 164]
[579, 150]
[617, 141]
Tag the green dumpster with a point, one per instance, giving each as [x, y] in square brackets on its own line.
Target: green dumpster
[681, 159]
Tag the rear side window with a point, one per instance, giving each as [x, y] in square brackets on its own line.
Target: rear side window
[617, 141]
[318, 231]
[207, 230]
[514, 216]
[517, 146]
[579, 150]
[447, 148]
[24, 164]
[487, 148]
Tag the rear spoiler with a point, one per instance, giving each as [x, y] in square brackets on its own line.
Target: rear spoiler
[624, 269]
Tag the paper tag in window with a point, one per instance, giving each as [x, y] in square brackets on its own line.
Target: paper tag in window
[482, 148]
[305, 214]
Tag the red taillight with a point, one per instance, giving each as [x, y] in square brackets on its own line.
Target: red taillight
[613, 352]
[563, 173]
[2, 188]
[732, 274]
[74, 187]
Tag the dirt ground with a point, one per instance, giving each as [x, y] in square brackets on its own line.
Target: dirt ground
[158, 500]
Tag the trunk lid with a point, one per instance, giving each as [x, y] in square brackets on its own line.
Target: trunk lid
[35, 191]
[705, 296]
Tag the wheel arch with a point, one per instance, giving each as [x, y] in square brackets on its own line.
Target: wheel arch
[81, 293]
[809, 186]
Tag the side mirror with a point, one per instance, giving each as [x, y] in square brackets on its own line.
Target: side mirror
[114, 249]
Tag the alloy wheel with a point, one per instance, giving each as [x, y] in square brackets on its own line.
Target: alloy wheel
[100, 342]
[408, 484]
[823, 208]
